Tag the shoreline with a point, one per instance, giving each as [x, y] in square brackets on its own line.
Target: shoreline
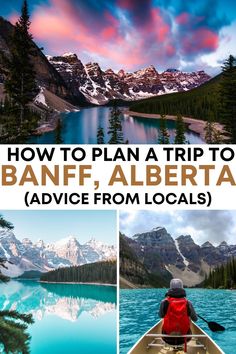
[73, 283]
[48, 126]
[195, 125]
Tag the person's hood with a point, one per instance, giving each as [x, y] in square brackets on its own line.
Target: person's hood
[178, 293]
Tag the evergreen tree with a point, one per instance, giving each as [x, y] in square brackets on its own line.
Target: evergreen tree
[58, 132]
[5, 224]
[115, 126]
[13, 325]
[212, 134]
[228, 96]
[180, 130]
[20, 83]
[100, 136]
[223, 276]
[163, 131]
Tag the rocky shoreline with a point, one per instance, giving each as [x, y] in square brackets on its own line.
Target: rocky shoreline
[195, 125]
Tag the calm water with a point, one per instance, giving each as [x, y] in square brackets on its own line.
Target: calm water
[81, 128]
[68, 318]
[138, 312]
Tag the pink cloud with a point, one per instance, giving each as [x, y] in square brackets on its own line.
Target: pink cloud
[202, 39]
[182, 19]
[158, 24]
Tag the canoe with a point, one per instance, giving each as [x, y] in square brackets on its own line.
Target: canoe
[152, 343]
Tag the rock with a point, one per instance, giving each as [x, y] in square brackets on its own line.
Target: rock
[27, 255]
[100, 86]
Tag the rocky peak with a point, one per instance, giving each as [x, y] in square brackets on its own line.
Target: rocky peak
[207, 244]
[189, 251]
[223, 244]
[185, 239]
[158, 235]
[27, 242]
[93, 69]
[148, 72]
[40, 244]
[121, 73]
[109, 72]
[172, 70]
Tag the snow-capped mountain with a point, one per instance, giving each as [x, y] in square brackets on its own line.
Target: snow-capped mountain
[26, 255]
[99, 87]
[181, 257]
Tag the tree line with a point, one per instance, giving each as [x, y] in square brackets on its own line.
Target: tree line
[14, 337]
[214, 101]
[99, 272]
[17, 118]
[223, 276]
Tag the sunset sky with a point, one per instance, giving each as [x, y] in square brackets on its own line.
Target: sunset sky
[132, 34]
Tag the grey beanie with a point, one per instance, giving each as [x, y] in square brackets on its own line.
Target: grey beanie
[176, 284]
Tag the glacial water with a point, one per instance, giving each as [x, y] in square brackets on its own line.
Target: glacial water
[138, 312]
[81, 128]
[68, 318]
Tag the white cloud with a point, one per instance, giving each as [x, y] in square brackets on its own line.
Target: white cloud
[226, 47]
[206, 225]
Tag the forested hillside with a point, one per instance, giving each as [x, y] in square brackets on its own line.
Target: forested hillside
[223, 276]
[134, 271]
[214, 101]
[98, 272]
[201, 102]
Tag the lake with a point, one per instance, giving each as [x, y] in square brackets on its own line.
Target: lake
[69, 318]
[81, 128]
[138, 312]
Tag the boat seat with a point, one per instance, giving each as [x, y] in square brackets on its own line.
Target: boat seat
[194, 343]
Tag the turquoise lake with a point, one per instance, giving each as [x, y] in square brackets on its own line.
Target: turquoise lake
[139, 311]
[68, 318]
[81, 128]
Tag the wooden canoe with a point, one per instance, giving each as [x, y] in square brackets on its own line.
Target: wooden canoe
[152, 343]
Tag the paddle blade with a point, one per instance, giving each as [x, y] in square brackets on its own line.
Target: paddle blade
[215, 327]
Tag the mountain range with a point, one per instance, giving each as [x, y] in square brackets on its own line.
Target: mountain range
[158, 254]
[99, 87]
[25, 255]
[64, 79]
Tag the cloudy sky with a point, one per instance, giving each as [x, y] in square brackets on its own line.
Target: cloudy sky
[132, 34]
[51, 226]
[207, 225]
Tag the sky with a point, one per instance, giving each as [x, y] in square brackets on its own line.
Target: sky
[206, 225]
[51, 226]
[133, 34]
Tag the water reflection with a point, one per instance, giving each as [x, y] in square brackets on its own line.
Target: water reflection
[63, 300]
[81, 128]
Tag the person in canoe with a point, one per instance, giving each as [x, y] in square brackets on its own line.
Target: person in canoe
[176, 312]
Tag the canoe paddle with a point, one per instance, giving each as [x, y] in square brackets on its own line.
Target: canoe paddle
[214, 326]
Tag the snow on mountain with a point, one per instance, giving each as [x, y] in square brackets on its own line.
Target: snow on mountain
[99, 87]
[186, 262]
[40, 256]
[181, 257]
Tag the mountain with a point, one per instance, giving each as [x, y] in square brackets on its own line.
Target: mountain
[26, 255]
[201, 102]
[133, 273]
[46, 74]
[167, 257]
[99, 87]
[68, 78]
